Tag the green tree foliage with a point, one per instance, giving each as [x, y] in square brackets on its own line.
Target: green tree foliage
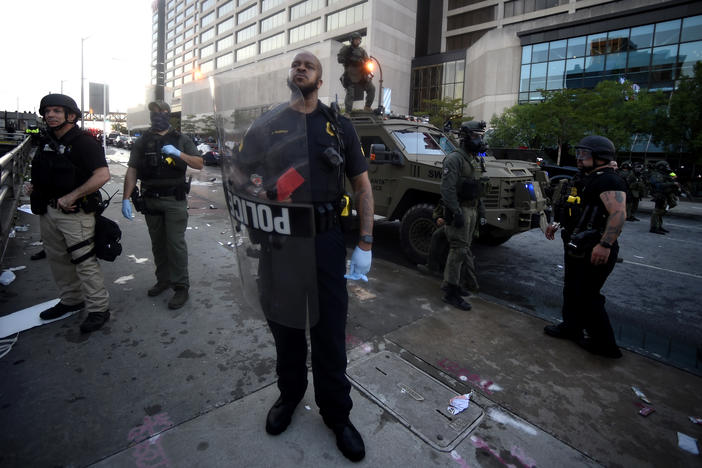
[440, 110]
[187, 125]
[119, 127]
[681, 127]
[565, 116]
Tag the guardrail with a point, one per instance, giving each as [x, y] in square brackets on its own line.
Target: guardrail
[13, 166]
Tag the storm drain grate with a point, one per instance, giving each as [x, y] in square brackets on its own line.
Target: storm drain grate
[415, 398]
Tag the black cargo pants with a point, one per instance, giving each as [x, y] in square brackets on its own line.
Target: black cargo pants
[328, 338]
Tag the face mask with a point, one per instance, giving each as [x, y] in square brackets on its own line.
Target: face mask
[159, 121]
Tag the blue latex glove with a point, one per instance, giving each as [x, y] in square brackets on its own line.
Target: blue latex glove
[171, 150]
[360, 264]
[127, 209]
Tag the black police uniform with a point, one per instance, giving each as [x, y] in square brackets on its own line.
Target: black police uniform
[328, 336]
[584, 221]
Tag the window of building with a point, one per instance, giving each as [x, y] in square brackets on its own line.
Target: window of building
[557, 50]
[305, 8]
[306, 31]
[691, 29]
[205, 51]
[463, 41]
[177, 92]
[226, 8]
[246, 52]
[224, 60]
[171, 23]
[170, 44]
[206, 5]
[189, 44]
[179, 7]
[190, 21]
[348, 16]
[273, 22]
[641, 37]
[576, 47]
[207, 66]
[190, 10]
[519, 7]
[187, 78]
[245, 34]
[445, 80]
[272, 43]
[471, 18]
[268, 4]
[225, 25]
[555, 74]
[688, 55]
[207, 19]
[207, 35]
[667, 32]
[246, 15]
[179, 18]
[225, 43]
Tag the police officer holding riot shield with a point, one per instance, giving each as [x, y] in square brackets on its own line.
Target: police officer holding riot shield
[591, 209]
[285, 186]
[67, 172]
[460, 195]
[160, 159]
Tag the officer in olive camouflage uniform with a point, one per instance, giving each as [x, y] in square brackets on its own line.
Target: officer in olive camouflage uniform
[460, 195]
[662, 186]
[355, 76]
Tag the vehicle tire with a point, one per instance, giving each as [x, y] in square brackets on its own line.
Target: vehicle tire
[493, 236]
[416, 229]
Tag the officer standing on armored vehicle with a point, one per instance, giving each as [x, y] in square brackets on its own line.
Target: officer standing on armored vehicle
[159, 159]
[354, 58]
[460, 195]
[67, 172]
[662, 187]
[591, 209]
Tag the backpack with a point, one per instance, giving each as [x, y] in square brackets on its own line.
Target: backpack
[107, 237]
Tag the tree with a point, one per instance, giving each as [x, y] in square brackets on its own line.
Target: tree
[441, 110]
[559, 121]
[187, 125]
[119, 127]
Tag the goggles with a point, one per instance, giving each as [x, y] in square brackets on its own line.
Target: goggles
[582, 154]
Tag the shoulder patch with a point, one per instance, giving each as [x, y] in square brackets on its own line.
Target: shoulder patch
[278, 132]
[446, 170]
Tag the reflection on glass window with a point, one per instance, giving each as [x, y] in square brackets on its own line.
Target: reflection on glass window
[557, 50]
[691, 29]
[667, 33]
[597, 44]
[618, 41]
[576, 47]
[538, 76]
[689, 53]
[641, 37]
[539, 52]
[422, 143]
[526, 54]
[664, 56]
[555, 74]
[524, 80]
[616, 63]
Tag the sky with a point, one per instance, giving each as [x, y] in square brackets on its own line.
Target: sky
[42, 41]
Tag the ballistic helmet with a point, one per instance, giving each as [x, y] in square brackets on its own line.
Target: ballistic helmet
[475, 126]
[600, 147]
[159, 106]
[355, 35]
[59, 100]
[626, 165]
[663, 166]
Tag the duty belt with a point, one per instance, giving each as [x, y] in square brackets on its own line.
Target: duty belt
[53, 203]
[326, 217]
[160, 192]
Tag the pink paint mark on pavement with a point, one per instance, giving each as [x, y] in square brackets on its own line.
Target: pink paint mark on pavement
[148, 453]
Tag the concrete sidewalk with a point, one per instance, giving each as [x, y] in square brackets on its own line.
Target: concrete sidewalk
[685, 209]
[191, 388]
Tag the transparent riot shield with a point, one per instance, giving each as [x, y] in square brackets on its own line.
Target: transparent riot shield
[266, 179]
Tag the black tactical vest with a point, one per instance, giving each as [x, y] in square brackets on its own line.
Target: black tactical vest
[155, 165]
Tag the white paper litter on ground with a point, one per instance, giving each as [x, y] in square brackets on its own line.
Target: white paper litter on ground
[25, 208]
[688, 444]
[27, 318]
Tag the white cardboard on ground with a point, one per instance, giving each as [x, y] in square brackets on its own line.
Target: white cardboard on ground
[27, 318]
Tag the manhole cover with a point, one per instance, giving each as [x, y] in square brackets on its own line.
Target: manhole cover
[415, 398]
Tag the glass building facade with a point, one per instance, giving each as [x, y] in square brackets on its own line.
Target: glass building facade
[652, 56]
[444, 80]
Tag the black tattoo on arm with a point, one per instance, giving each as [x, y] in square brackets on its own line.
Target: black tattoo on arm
[364, 202]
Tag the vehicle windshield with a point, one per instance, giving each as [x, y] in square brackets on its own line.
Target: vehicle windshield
[424, 143]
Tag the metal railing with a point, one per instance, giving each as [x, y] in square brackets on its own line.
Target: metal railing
[13, 166]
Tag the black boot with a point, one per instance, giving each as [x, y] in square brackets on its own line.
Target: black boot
[94, 321]
[454, 298]
[279, 416]
[348, 440]
[60, 309]
[39, 255]
[563, 331]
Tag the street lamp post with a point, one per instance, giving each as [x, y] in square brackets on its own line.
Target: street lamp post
[380, 90]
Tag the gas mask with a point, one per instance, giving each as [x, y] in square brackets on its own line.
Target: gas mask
[160, 121]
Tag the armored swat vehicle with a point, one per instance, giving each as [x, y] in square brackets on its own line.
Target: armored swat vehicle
[405, 165]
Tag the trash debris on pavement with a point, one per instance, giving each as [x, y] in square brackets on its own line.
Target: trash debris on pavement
[36, 244]
[124, 279]
[640, 394]
[25, 208]
[695, 420]
[688, 444]
[645, 410]
[459, 403]
[11, 234]
[23, 228]
[212, 207]
[213, 179]
[307, 407]
[138, 259]
[7, 277]
[17, 268]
